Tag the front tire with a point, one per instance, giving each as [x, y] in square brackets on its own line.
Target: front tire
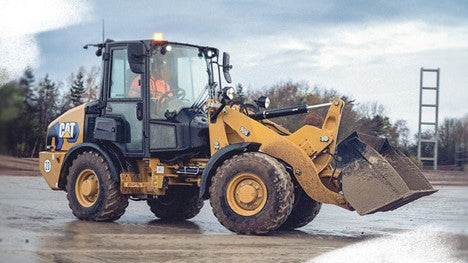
[91, 192]
[179, 203]
[251, 193]
[305, 209]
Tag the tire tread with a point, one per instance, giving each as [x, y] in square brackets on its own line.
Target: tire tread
[283, 186]
[114, 202]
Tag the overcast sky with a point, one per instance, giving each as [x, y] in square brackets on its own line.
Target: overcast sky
[370, 50]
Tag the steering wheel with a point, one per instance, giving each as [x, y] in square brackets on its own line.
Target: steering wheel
[175, 95]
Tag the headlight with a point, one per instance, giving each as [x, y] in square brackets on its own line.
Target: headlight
[267, 103]
[263, 102]
[229, 93]
[166, 49]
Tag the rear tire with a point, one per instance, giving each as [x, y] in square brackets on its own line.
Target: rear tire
[251, 193]
[305, 209]
[91, 192]
[179, 203]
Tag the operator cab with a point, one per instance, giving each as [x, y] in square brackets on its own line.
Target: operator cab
[153, 98]
[177, 76]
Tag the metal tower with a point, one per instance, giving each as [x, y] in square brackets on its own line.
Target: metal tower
[433, 122]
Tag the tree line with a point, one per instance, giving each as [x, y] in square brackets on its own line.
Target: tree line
[28, 105]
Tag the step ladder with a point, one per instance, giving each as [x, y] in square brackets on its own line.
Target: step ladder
[434, 122]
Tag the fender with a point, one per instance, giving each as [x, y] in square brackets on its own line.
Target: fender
[218, 158]
[116, 164]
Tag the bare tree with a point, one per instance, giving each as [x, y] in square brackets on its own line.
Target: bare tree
[451, 133]
[91, 84]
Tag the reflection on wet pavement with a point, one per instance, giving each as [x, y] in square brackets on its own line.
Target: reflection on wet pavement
[37, 225]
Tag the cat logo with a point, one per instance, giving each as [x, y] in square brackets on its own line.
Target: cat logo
[67, 130]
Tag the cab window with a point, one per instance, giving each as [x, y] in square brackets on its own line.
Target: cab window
[124, 83]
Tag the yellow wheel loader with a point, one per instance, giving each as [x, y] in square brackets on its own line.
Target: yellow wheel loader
[165, 131]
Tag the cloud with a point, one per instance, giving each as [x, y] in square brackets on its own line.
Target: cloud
[348, 45]
[375, 61]
[353, 44]
[21, 20]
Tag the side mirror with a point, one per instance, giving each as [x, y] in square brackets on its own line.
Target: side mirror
[99, 52]
[226, 67]
[136, 57]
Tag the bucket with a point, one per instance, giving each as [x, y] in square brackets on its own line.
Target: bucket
[377, 177]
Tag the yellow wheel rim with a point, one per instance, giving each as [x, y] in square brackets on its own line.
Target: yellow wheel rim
[246, 194]
[87, 188]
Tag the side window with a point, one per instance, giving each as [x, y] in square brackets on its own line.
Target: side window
[124, 83]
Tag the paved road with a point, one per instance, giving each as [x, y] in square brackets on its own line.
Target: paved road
[36, 225]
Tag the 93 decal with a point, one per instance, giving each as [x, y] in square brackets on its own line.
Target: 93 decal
[47, 166]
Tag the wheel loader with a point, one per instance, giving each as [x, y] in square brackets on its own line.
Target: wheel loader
[164, 130]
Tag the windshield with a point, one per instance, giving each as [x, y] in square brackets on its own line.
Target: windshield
[178, 76]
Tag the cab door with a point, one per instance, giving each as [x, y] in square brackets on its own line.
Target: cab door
[125, 96]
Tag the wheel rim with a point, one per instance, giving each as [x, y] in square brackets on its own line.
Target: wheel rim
[87, 188]
[246, 194]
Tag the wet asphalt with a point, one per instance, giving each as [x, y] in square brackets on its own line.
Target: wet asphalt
[36, 225]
